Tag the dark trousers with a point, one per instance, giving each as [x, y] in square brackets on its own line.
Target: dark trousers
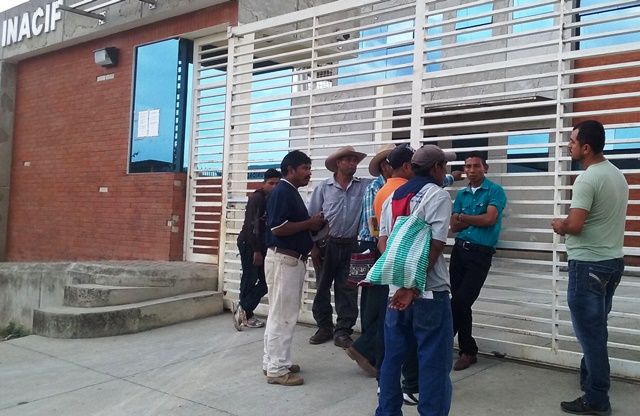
[253, 285]
[468, 271]
[335, 271]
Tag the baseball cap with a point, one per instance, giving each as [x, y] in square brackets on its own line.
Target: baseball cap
[400, 155]
[430, 154]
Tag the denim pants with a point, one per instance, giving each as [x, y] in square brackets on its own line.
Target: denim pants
[335, 271]
[252, 282]
[428, 323]
[589, 295]
[285, 277]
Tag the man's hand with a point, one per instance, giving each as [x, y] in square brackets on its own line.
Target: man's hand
[558, 226]
[316, 257]
[402, 299]
[316, 222]
[257, 259]
[457, 175]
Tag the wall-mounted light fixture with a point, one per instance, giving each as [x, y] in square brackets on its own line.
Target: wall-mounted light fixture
[106, 57]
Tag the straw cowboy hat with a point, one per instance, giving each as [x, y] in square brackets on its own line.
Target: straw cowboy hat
[381, 154]
[331, 162]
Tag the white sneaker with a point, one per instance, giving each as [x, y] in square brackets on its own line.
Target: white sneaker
[410, 399]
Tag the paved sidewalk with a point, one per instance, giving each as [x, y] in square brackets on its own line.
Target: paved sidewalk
[206, 367]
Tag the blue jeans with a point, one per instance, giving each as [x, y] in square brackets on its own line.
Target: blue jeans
[589, 295]
[428, 323]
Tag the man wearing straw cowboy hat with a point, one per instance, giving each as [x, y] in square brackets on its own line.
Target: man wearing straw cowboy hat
[339, 198]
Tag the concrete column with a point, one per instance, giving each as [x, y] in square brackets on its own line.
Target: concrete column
[8, 80]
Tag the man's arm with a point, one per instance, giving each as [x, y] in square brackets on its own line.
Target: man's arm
[317, 200]
[255, 211]
[573, 224]
[314, 223]
[487, 219]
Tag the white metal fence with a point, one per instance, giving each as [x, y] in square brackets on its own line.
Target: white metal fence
[506, 77]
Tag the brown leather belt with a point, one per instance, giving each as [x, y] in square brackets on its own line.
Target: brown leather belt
[289, 253]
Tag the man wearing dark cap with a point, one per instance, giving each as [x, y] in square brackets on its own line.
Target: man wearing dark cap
[420, 317]
[477, 218]
[252, 246]
[339, 198]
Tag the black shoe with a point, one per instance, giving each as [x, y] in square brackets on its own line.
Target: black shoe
[321, 336]
[343, 341]
[580, 407]
[410, 399]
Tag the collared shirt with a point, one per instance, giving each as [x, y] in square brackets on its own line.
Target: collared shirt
[341, 208]
[367, 209]
[436, 213]
[283, 205]
[254, 227]
[469, 203]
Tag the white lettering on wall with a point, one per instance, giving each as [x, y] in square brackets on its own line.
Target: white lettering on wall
[25, 28]
[18, 28]
[36, 27]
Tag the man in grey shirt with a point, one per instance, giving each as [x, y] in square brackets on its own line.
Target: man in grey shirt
[340, 199]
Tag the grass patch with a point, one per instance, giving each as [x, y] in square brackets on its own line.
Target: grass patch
[13, 331]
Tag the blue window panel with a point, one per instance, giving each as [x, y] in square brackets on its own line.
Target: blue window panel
[528, 139]
[515, 166]
[533, 11]
[601, 28]
[479, 21]
[435, 43]
[623, 134]
[356, 68]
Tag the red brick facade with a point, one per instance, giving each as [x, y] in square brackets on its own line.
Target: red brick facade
[72, 138]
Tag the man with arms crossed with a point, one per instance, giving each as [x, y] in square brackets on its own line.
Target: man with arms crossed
[252, 246]
[289, 240]
[594, 236]
[477, 218]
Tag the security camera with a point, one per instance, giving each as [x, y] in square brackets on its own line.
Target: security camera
[343, 37]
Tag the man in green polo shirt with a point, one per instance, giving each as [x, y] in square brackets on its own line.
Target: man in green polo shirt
[594, 236]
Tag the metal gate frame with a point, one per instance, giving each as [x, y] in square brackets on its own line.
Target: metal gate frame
[510, 84]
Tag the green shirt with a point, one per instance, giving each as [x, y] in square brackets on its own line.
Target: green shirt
[601, 190]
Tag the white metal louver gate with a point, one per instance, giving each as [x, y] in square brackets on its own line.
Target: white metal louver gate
[506, 77]
[202, 238]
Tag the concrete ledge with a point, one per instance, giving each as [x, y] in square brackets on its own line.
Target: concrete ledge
[70, 322]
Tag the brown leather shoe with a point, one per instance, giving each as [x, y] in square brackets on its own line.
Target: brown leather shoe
[363, 363]
[321, 336]
[288, 379]
[343, 341]
[464, 362]
[295, 368]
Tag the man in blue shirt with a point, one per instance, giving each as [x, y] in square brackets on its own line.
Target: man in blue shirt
[340, 199]
[477, 218]
[289, 242]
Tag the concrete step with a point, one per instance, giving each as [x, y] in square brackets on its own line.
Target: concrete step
[73, 322]
[96, 295]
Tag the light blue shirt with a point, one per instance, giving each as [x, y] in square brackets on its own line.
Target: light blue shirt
[341, 208]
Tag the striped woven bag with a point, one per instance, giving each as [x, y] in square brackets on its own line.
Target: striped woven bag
[406, 259]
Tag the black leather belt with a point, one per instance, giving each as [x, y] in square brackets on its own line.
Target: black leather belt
[289, 253]
[474, 247]
[342, 240]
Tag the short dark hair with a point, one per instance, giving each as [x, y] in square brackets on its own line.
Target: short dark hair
[272, 173]
[480, 155]
[294, 159]
[591, 132]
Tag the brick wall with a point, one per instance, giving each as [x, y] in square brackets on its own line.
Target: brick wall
[73, 133]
